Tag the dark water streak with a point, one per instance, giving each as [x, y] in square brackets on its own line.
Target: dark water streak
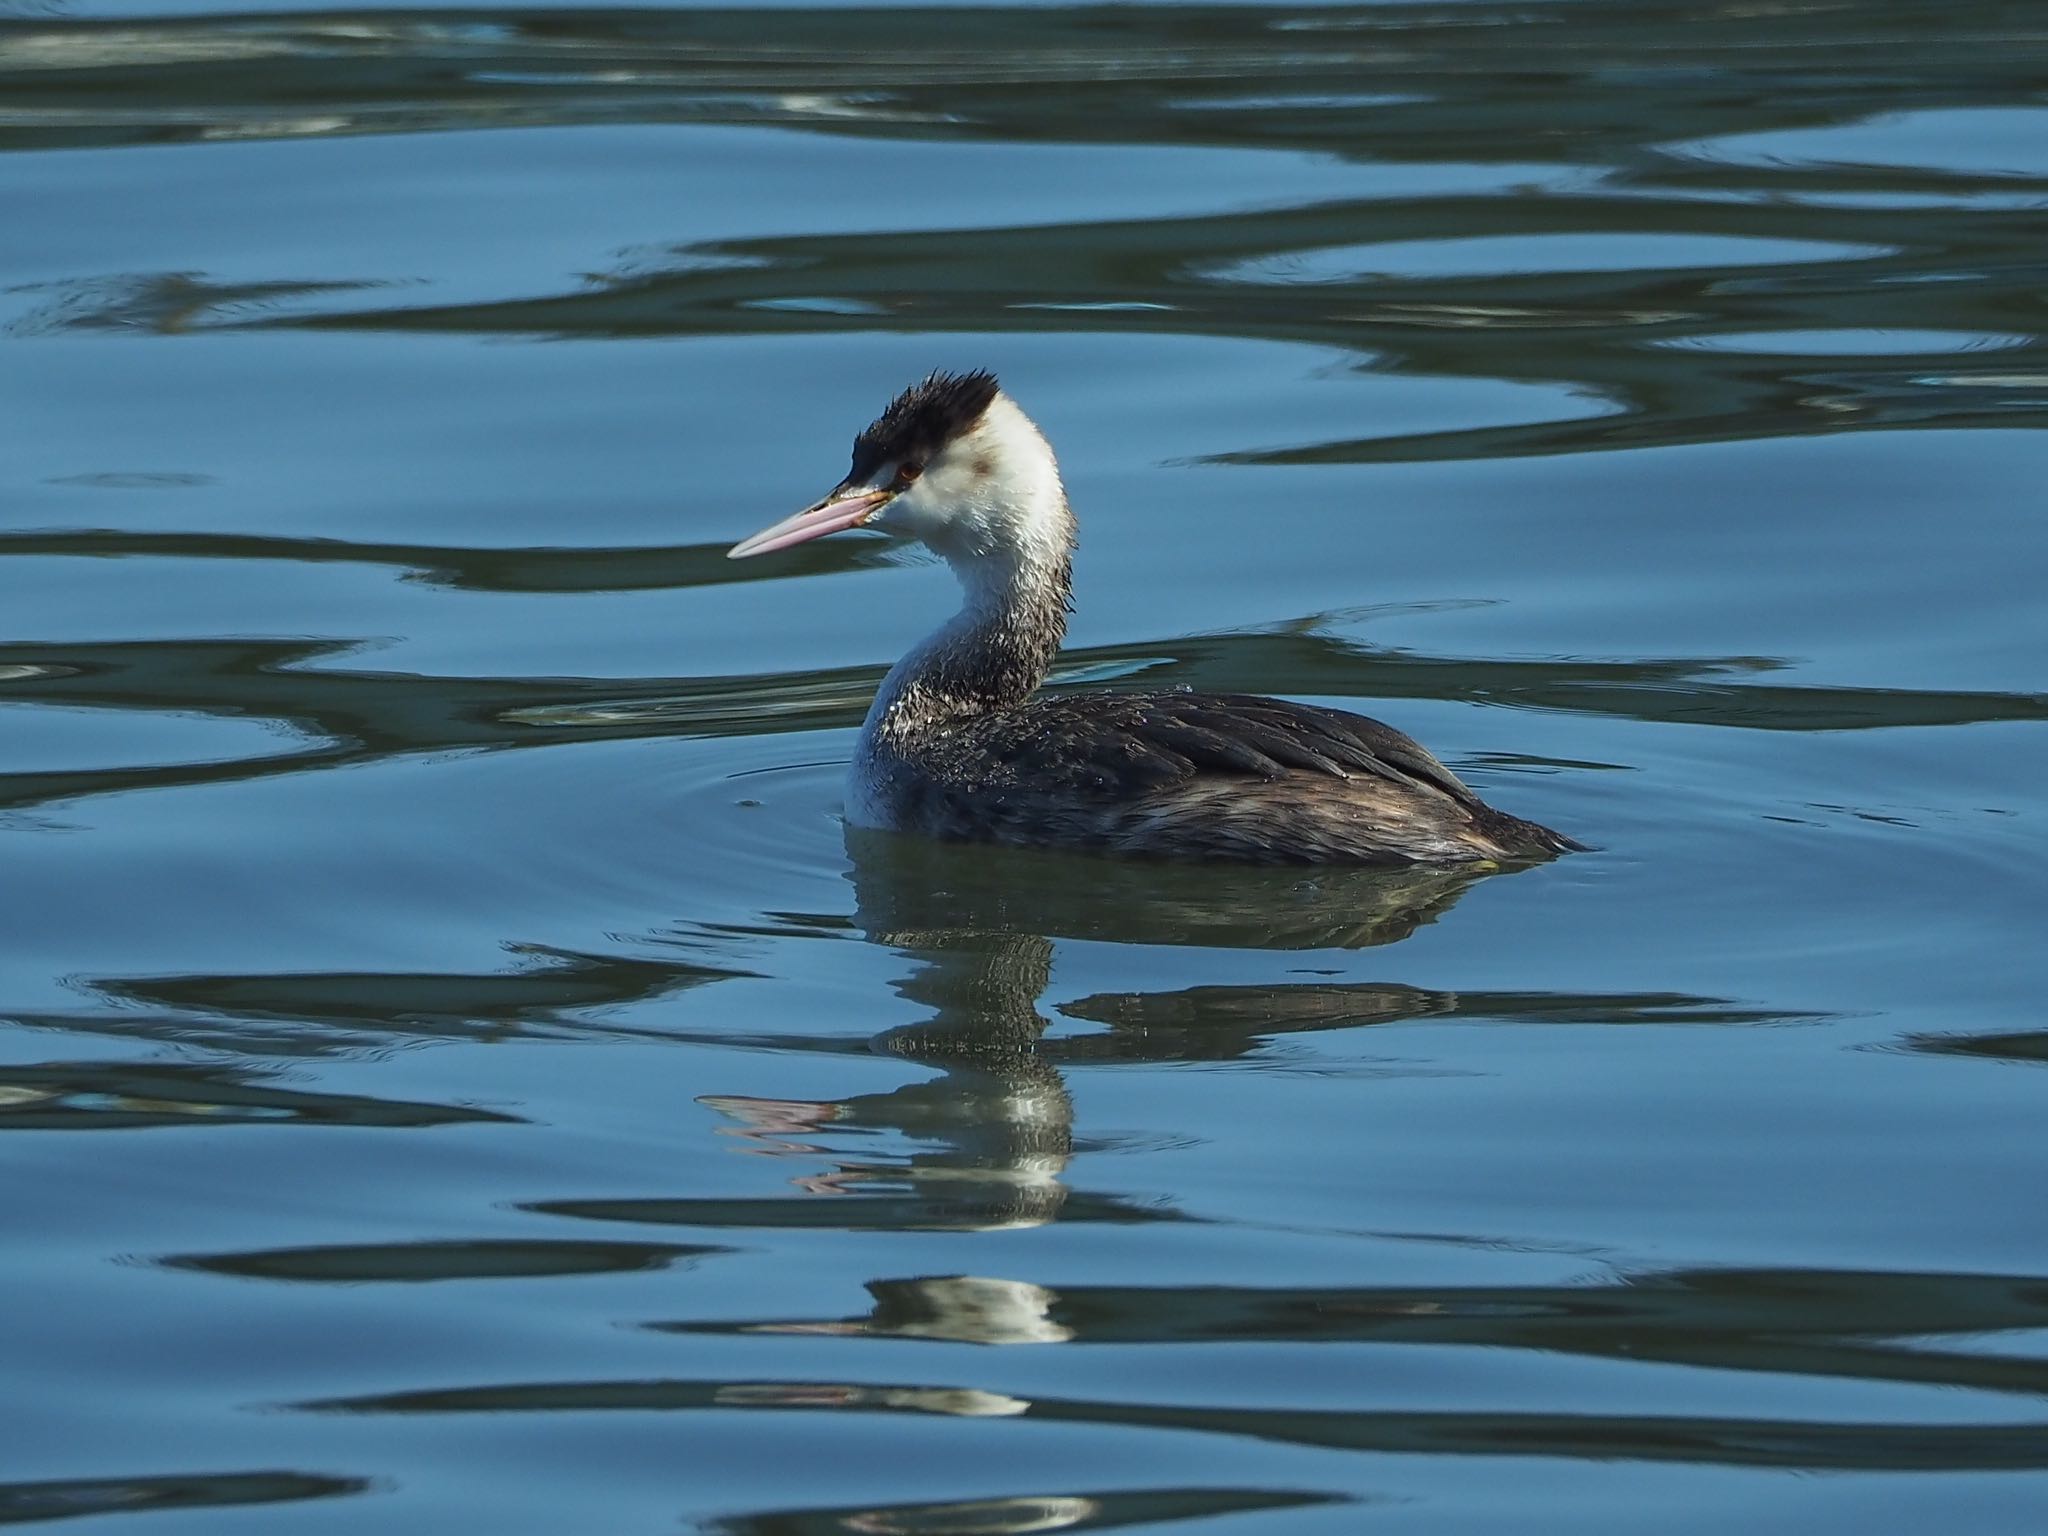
[354, 715]
[1725, 1442]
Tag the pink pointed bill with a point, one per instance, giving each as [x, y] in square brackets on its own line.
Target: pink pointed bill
[829, 516]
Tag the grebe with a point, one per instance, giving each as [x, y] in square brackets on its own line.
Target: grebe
[957, 745]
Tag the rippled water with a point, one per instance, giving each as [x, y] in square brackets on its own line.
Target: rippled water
[459, 1073]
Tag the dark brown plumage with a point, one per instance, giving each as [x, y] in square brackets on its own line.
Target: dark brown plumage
[1222, 776]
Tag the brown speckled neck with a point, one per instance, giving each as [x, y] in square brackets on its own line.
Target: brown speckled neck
[994, 655]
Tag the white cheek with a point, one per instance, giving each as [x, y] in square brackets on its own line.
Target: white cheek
[952, 484]
[913, 514]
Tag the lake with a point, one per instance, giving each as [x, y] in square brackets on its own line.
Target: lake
[458, 1072]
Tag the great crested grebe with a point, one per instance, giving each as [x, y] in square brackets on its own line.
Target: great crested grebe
[958, 746]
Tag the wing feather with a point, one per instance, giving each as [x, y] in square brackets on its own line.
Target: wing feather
[1118, 744]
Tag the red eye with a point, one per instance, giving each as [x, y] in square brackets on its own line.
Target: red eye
[909, 470]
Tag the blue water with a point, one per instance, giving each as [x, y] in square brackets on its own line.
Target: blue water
[537, 1113]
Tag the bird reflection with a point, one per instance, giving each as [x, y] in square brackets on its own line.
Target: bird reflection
[906, 889]
[997, 1119]
[995, 1125]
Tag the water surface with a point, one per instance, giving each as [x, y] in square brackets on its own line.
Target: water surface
[537, 1113]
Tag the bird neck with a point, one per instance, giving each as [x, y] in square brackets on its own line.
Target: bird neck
[1001, 643]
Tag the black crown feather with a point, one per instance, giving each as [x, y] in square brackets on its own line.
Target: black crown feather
[923, 419]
